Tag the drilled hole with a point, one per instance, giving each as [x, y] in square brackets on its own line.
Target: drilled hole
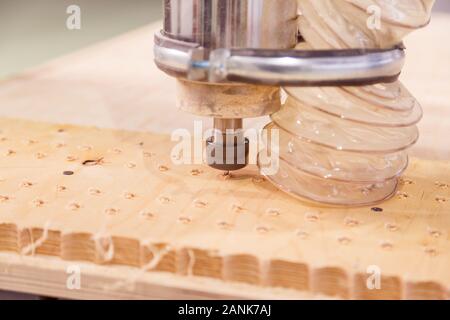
[85, 148]
[350, 222]
[377, 209]
[94, 192]
[10, 152]
[344, 240]
[302, 234]
[434, 233]
[196, 172]
[40, 155]
[163, 168]
[273, 212]
[148, 154]
[68, 173]
[94, 162]
[432, 252]
[442, 185]
[392, 227]
[200, 203]
[224, 225]
[184, 220]
[131, 165]
[38, 202]
[29, 142]
[258, 179]
[224, 176]
[441, 199]
[26, 184]
[402, 195]
[129, 195]
[112, 211]
[406, 182]
[262, 229]
[147, 214]
[164, 200]
[236, 208]
[311, 217]
[386, 245]
[74, 206]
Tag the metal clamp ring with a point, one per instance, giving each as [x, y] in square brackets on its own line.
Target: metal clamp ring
[279, 67]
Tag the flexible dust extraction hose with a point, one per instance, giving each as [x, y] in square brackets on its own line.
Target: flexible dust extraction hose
[348, 145]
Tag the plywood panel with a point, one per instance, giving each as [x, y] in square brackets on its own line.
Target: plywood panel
[114, 197]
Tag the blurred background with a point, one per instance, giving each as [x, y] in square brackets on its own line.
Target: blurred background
[34, 31]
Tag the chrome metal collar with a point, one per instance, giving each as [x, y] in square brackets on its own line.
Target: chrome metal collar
[278, 67]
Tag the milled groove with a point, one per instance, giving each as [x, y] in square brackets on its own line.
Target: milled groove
[244, 268]
[50, 247]
[9, 237]
[425, 291]
[391, 288]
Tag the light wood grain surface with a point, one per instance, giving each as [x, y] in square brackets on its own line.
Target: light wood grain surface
[114, 197]
[115, 85]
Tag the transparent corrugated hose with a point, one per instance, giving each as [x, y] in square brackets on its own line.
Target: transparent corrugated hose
[348, 145]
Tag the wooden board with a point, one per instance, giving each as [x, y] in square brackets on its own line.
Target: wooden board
[114, 197]
[115, 85]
